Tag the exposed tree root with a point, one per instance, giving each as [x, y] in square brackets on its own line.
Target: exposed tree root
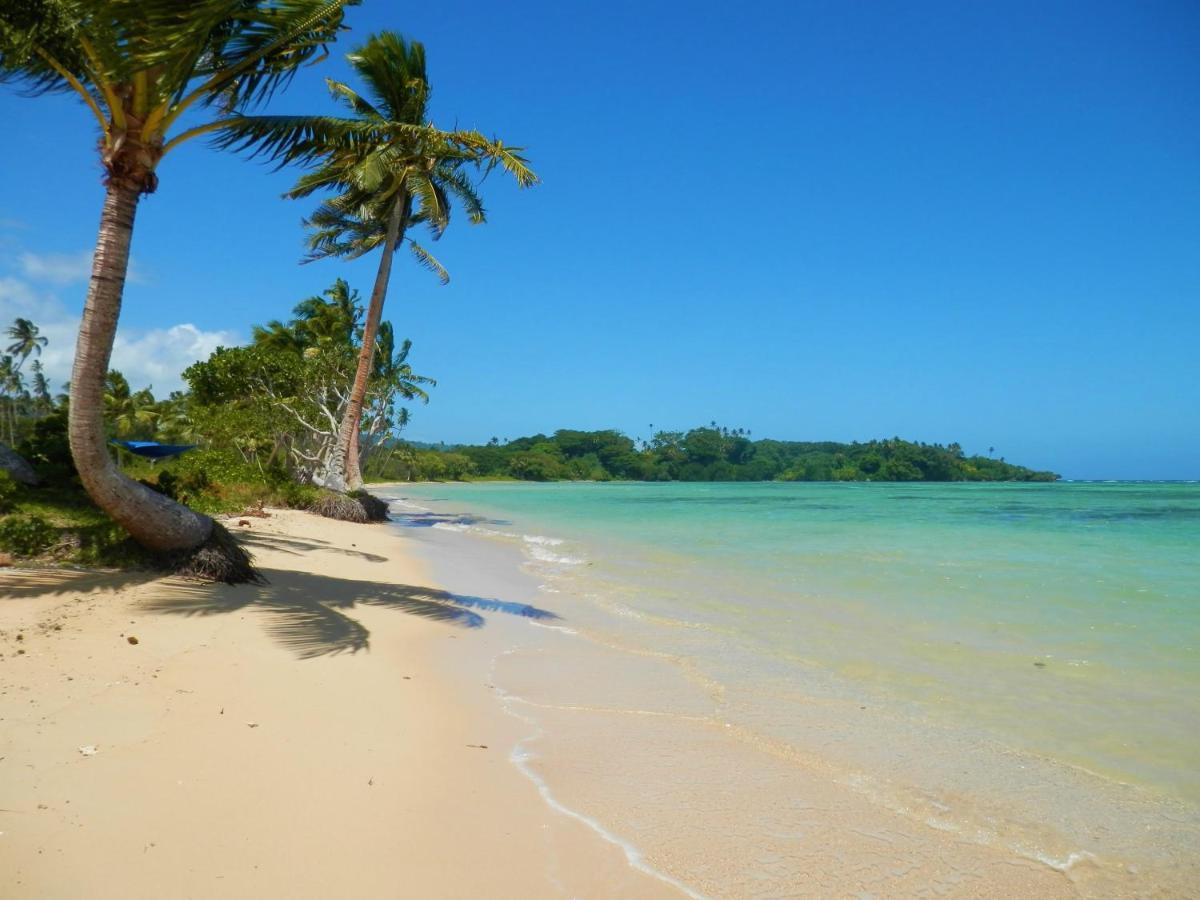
[220, 558]
[343, 507]
[357, 506]
[376, 509]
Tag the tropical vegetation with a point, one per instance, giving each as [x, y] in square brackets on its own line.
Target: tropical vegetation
[280, 401]
[391, 168]
[155, 74]
[146, 70]
[710, 453]
[262, 419]
[319, 400]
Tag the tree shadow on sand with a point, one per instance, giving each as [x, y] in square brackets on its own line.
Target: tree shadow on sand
[307, 613]
[32, 582]
[260, 540]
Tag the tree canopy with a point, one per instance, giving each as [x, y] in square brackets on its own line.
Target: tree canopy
[708, 453]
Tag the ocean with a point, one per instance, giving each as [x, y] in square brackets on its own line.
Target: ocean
[1014, 665]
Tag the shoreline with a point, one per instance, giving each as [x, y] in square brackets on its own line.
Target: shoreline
[611, 687]
[328, 734]
[468, 739]
[639, 747]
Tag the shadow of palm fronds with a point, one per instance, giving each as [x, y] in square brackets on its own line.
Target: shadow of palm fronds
[299, 546]
[306, 613]
[21, 582]
[316, 630]
[179, 597]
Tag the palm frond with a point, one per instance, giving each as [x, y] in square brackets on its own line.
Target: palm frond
[456, 182]
[429, 199]
[357, 103]
[393, 69]
[267, 45]
[429, 261]
[288, 140]
[494, 153]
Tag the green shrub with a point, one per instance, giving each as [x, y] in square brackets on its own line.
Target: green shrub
[49, 451]
[195, 481]
[294, 495]
[198, 469]
[169, 484]
[8, 491]
[26, 535]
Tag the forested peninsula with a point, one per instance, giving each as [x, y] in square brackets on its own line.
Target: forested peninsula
[710, 453]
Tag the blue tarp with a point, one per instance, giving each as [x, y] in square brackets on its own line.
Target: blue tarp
[153, 449]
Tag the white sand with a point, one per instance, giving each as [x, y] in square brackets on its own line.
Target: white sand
[311, 738]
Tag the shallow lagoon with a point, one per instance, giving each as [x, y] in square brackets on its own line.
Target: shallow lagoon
[1014, 663]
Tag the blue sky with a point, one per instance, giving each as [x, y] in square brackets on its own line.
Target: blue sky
[944, 221]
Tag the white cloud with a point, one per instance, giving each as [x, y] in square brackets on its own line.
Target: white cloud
[56, 268]
[157, 357]
[67, 268]
[147, 357]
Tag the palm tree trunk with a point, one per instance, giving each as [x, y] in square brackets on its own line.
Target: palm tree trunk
[155, 521]
[344, 472]
[354, 458]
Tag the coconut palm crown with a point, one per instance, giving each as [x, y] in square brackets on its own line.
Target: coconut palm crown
[26, 339]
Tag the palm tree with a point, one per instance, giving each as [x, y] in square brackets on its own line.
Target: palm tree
[392, 375]
[41, 386]
[393, 368]
[26, 340]
[173, 420]
[332, 322]
[11, 388]
[142, 67]
[393, 168]
[132, 414]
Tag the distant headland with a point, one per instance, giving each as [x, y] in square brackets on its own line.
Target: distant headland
[709, 453]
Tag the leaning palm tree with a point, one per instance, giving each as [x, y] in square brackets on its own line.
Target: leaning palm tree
[392, 168]
[142, 68]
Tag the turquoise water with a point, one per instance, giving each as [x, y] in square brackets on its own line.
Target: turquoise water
[1048, 623]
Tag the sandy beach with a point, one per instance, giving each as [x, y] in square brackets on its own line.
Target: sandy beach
[330, 734]
[352, 728]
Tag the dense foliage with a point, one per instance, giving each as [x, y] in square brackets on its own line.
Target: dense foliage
[309, 400]
[702, 454]
[280, 401]
[23, 396]
[260, 418]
